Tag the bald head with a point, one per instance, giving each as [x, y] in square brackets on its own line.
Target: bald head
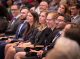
[43, 6]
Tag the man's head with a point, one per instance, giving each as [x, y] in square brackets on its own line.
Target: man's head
[60, 22]
[43, 6]
[15, 10]
[72, 31]
[75, 9]
[51, 18]
[24, 13]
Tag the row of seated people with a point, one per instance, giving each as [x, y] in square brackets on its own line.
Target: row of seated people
[43, 34]
[67, 46]
[18, 31]
[29, 32]
[61, 9]
[72, 11]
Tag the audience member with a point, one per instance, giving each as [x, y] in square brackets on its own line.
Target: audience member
[75, 9]
[53, 5]
[43, 6]
[65, 48]
[39, 29]
[48, 38]
[13, 24]
[24, 25]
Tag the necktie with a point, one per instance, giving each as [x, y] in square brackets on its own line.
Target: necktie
[56, 37]
[53, 41]
[20, 28]
[13, 21]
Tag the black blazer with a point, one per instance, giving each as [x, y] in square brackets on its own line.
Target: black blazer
[24, 27]
[30, 35]
[45, 38]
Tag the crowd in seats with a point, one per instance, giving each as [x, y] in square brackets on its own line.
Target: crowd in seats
[39, 29]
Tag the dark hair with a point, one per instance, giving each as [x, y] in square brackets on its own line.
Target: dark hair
[66, 18]
[35, 16]
[65, 6]
[16, 5]
[77, 5]
[73, 33]
[23, 8]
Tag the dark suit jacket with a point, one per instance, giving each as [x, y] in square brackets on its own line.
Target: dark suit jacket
[45, 38]
[24, 27]
[11, 29]
[38, 37]
[76, 20]
[30, 35]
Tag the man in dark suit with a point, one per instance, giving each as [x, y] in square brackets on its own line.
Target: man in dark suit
[20, 30]
[13, 24]
[24, 25]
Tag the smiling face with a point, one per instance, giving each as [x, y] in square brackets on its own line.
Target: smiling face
[24, 13]
[43, 6]
[30, 18]
[60, 22]
[49, 21]
[51, 17]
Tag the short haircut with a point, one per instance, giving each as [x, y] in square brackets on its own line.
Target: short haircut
[77, 5]
[16, 5]
[73, 33]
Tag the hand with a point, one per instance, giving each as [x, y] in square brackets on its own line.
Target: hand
[39, 53]
[9, 40]
[31, 50]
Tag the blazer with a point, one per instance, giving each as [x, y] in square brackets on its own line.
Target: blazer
[45, 38]
[76, 20]
[24, 27]
[30, 35]
[11, 29]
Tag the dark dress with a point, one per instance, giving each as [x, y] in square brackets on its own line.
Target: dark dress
[45, 38]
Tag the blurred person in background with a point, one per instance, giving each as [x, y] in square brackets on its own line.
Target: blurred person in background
[53, 5]
[43, 6]
[74, 11]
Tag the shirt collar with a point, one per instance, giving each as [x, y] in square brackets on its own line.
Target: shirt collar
[75, 16]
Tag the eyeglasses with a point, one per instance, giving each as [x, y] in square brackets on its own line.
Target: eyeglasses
[14, 9]
[60, 20]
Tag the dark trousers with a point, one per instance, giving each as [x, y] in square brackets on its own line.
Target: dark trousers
[2, 48]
